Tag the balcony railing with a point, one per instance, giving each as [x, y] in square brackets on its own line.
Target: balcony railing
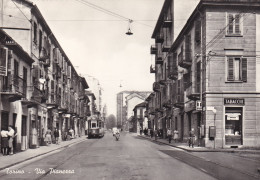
[156, 86]
[153, 49]
[15, 87]
[152, 111]
[191, 93]
[159, 59]
[166, 46]
[167, 22]
[152, 69]
[185, 62]
[159, 38]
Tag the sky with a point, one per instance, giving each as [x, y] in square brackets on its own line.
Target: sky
[97, 45]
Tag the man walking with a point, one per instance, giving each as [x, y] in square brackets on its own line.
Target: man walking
[169, 134]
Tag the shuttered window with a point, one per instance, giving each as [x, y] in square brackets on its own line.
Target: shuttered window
[233, 24]
[198, 31]
[237, 69]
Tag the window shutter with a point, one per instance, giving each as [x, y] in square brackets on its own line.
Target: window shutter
[52, 84]
[244, 69]
[188, 48]
[237, 24]
[3, 61]
[230, 23]
[230, 69]
[198, 31]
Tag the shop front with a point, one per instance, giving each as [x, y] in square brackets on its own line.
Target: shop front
[234, 121]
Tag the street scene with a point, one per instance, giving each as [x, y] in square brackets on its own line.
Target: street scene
[140, 89]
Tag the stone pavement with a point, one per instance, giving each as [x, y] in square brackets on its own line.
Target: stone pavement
[11, 160]
[229, 158]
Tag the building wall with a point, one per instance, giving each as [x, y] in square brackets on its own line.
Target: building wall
[21, 36]
[131, 105]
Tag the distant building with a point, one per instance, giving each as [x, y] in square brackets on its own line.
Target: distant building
[126, 101]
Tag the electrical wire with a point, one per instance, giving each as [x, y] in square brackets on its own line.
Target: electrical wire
[21, 11]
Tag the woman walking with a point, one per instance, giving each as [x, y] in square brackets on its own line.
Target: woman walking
[48, 137]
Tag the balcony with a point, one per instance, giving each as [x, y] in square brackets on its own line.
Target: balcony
[192, 94]
[29, 103]
[152, 111]
[184, 62]
[152, 69]
[52, 104]
[167, 22]
[153, 49]
[146, 114]
[168, 104]
[14, 88]
[156, 87]
[159, 38]
[159, 110]
[46, 63]
[179, 101]
[159, 59]
[38, 95]
[166, 46]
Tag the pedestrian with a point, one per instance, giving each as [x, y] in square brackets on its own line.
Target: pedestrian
[71, 133]
[169, 135]
[56, 135]
[34, 137]
[47, 138]
[175, 135]
[11, 135]
[68, 135]
[141, 131]
[151, 133]
[192, 138]
[4, 142]
[155, 134]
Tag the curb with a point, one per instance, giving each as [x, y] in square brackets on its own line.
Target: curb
[201, 150]
[2, 168]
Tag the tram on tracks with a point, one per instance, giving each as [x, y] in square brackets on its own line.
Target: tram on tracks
[95, 128]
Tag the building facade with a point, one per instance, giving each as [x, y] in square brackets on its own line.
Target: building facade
[207, 77]
[56, 93]
[126, 101]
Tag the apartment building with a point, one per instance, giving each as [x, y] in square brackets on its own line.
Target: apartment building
[208, 79]
[126, 101]
[56, 93]
[139, 120]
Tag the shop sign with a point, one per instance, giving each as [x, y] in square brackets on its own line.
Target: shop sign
[198, 106]
[233, 101]
[233, 116]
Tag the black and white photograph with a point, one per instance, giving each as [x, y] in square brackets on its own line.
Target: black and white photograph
[130, 89]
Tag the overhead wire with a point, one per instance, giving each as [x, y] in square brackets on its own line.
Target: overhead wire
[21, 11]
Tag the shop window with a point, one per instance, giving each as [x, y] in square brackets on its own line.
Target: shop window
[237, 69]
[233, 125]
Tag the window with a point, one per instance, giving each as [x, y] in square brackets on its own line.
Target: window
[40, 41]
[35, 32]
[234, 24]
[237, 69]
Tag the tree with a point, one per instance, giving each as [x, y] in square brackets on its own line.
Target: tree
[111, 121]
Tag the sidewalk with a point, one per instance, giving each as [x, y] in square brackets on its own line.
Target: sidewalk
[11, 160]
[223, 157]
[185, 146]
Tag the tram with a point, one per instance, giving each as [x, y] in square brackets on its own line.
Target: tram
[95, 128]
